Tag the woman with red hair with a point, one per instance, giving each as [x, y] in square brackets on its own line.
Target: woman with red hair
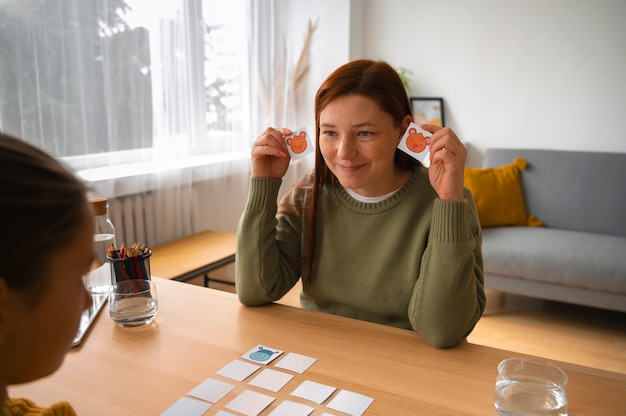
[372, 233]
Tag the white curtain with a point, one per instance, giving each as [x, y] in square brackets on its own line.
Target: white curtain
[270, 64]
[152, 97]
[280, 65]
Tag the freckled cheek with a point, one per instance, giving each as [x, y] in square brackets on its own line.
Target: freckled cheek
[328, 151]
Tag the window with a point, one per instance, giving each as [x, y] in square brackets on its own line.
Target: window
[83, 79]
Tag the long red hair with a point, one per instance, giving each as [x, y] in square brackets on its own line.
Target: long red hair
[376, 80]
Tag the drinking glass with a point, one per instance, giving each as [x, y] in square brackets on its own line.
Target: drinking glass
[527, 386]
[133, 303]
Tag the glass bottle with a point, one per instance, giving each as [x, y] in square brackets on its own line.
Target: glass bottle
[98, 280]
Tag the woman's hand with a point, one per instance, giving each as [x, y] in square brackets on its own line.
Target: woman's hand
[270, 157]
[447, 162]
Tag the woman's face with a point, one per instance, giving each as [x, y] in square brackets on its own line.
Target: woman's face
[38, 336]
[358, 142]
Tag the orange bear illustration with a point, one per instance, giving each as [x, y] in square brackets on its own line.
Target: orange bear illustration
[298, 143]
[416, 142]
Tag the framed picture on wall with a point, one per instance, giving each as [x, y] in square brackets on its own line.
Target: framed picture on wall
[428, 110]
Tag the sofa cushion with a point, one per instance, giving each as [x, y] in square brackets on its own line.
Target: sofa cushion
[571, 190]
[498, 195]
[568, 258]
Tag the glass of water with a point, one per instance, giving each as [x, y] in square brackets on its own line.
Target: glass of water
[527, 386]
[133, 303]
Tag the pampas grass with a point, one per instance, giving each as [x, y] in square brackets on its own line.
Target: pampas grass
[301, 69]
[283, 98]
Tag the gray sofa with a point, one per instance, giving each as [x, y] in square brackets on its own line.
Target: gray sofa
[579, 255]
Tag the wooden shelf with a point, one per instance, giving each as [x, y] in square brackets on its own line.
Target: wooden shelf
[193, 255]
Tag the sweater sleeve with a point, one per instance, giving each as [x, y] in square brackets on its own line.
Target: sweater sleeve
[25, 407]
[449, 296]
[263, 272]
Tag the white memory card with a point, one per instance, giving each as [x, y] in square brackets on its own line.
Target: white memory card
[299, 144]
[414, 143]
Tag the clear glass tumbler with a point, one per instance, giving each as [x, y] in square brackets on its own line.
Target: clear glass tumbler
[527, 386]
[133, 303]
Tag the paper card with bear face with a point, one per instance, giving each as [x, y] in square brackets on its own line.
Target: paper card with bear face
[299, 144]
[414, 143]
[261, 354]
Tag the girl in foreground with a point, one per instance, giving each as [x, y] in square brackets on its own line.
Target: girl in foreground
[45, 249]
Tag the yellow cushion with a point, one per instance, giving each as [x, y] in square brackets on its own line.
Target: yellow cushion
[498, 195]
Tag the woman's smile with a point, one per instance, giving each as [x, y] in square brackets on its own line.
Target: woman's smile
[350, 168]
[358, 142]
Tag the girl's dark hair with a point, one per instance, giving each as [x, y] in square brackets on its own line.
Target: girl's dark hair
[42, 207]
[376, 80]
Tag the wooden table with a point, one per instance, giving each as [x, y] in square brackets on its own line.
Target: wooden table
[198, 331]
[194, 255]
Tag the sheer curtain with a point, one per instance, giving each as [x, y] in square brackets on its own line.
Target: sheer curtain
[282, 33]
[71, 72]
[158, 98]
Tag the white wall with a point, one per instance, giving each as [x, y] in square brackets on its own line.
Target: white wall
[515, 73]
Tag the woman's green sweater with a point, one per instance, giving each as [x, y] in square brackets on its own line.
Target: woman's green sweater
[412, 260]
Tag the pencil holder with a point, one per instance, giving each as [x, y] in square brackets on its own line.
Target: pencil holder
[130, 268]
